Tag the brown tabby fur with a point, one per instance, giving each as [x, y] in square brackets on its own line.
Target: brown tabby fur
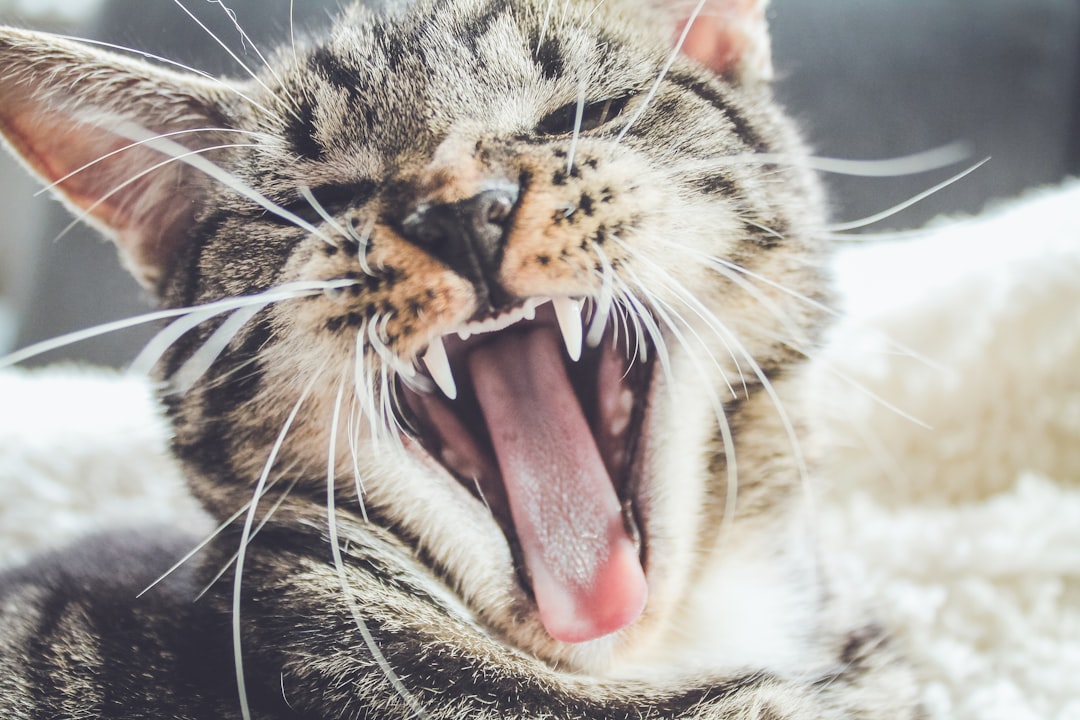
[675, 220]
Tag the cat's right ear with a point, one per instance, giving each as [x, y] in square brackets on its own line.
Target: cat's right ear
[74, 115]
[731, 37]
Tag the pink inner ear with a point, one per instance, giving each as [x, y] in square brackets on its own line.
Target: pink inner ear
[144, 212]
[731, 37]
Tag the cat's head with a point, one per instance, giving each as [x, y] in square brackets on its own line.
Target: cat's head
[500, 267]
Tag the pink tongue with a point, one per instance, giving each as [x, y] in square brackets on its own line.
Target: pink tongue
[586, 575]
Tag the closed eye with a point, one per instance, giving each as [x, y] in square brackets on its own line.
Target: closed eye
[594, 115]
[332, 199]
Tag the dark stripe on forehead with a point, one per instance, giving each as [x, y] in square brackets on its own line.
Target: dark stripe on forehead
[709, 93]
[301, 133]
[549, 57]
[476, 27]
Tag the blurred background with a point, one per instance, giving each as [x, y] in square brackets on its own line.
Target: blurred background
[866, 80]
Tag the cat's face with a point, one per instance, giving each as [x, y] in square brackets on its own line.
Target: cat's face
[539, 275]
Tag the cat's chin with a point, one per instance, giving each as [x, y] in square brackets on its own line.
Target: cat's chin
[543, 428]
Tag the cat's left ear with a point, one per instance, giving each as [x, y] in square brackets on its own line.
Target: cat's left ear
[731, 37]
[74, 115]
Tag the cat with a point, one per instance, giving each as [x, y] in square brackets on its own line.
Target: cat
[485, 327]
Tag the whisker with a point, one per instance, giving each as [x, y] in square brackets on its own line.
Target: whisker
[731, 340]
[194, 551]
[118, 151]
[133, 131]
[884, 214]
[195, 316]
[278, 502]
[544, 25]
[914, 164]
[224, 46]
[231, 14]
[861, 387]
[88, 211]
[292, 30]
[578, 115]
[702, 312]
[249, 522]
[201, 360]
[655, 88]
[181, 66]
[287, 291]
[305, 191]
[358, 480]
[364, 387]
[604, 301]
[726, 436]
[339, 565]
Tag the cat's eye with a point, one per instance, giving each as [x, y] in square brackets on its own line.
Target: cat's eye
[594, 115]
[328, 199]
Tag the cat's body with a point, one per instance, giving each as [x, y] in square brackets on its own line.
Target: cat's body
[512, 533]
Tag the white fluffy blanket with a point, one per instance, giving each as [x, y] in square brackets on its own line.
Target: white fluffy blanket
[950, 403]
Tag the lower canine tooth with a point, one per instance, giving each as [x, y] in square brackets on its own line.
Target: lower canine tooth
[568, 313]
[438, 366]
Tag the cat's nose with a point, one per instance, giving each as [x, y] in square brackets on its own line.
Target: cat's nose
[468, 236]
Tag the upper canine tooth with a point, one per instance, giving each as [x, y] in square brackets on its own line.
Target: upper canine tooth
[568, 313]
[438, 366]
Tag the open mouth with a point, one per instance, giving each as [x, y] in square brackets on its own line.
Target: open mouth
[545, 432]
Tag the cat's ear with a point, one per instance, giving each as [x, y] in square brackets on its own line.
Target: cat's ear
[731, 37]
[75, 114]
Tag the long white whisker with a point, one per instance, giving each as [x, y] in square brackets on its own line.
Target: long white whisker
[726, 436]
[544, 24]
[651, 94]
[88, 211]
[194, 551]
[884, 214]
[339, 563]
[364, 387]
[305, 191]
[201, 360]
[249, 521]
[133, 131]
[702, 312]
[125, 148]
[358, 479]
[224, 46]
[231, 14]
[723, 266]
[731, 340]
[278, 502]
[194, 316]
[287, 291]
[186, 68]
[604, 301]
[292, 30]
[579, 113]
[862, 388]
[913, 164]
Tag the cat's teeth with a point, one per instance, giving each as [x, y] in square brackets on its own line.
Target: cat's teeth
[464, 334]
[568, 313]
[438, 366]
[530, 308]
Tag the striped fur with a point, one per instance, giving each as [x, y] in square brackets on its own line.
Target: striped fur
[666, 215]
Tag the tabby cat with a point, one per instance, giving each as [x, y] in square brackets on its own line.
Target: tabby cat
[485, 320]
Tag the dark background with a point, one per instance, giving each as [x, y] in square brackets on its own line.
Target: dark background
[867, 80]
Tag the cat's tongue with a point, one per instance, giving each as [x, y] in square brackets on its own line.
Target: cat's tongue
[586, 575]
